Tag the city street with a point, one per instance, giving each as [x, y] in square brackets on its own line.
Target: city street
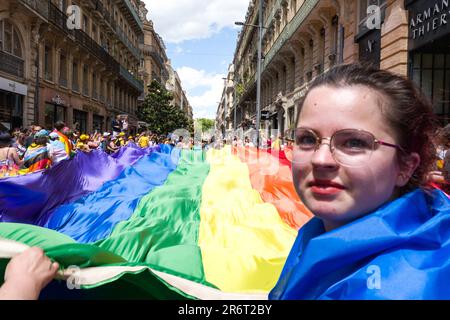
[224, 150]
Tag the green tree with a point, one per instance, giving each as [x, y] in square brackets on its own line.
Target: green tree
[161, 116]
[205, 124]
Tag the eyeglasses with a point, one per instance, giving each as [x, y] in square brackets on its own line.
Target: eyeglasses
[349, 147]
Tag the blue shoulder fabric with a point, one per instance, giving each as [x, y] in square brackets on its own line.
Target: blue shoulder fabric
[400, 251]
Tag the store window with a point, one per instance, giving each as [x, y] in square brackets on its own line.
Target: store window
[11, 110]
[98, 123]
[431, 72]
[80, 120]
[54, 113]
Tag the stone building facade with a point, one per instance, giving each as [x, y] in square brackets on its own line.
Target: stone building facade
[155, 65]
[84, 72]
[304, 38]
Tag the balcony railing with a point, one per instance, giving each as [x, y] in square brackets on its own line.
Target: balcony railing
[59, 18]
[152, 51]
[105, 13]
[138, 84]
[133, 12]
[39, 6]
[122, 36]
[11, 64]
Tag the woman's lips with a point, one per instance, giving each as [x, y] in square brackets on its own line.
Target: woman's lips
[325, 187]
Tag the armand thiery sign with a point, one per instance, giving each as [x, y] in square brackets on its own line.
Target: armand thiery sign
[428, 20]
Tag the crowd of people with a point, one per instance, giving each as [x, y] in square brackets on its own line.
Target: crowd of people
[36, 148]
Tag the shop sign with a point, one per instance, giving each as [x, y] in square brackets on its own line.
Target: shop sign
[428, 20]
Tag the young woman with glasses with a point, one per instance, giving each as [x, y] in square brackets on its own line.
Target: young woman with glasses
[362, 150]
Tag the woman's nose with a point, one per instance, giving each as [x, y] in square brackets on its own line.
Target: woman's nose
[323, 156]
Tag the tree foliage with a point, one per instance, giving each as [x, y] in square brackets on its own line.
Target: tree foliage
[159, 114]
[205, 124]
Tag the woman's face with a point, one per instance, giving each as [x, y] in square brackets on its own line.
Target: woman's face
[340, 194]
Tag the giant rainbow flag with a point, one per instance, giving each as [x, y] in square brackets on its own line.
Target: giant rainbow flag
[158, 223]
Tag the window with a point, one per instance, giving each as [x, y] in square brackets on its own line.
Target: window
[431, 72]
[85, 80]
[63, 70]
[102, 91]
[94, 86]
[7, 46]
[80, 119]
[94, 32]
[48, 70]
[97, 123]
[75, 86]
[85, 23]
[291, 117]
[1, 35]
[62, 5]
[17, 50]
[54, 113]
[9, 39]
[11, 110]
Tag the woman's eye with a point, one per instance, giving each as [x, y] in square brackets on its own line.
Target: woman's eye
[306, 140]
[356, 144]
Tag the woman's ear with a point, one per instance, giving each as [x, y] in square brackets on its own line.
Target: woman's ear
[407, 168]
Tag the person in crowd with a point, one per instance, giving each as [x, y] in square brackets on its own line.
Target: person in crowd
[130, 140]
[93, 142]
[37, 157]
[180, 142]
[116, 125]
[59, 130]
[31, 132]
[438, 176]
[276, 144]
[247, 142]
[10, 161]
[56, 148]
[125, 125]
[27, 274]
[144, 141]
[120, 142]
[269, 142]
[19, 144]
[105, 141]
[378, 231]
[82, 143]
[112, 146]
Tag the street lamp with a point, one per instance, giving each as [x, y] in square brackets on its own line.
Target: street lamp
[258, 83]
